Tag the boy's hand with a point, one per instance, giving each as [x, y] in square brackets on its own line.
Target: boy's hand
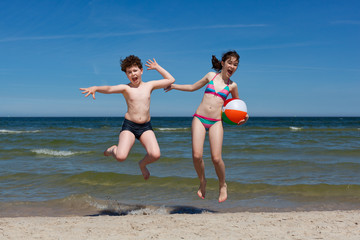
[88, 91]
[151, 64]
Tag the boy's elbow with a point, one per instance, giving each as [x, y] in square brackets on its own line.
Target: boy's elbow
[172, 80]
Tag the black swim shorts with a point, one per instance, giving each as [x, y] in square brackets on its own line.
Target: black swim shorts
[135, 128]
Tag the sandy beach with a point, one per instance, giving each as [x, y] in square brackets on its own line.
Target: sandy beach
[244, 225]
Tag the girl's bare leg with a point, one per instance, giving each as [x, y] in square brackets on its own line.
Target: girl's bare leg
[198, 137]
[216, 134]
[148, 140]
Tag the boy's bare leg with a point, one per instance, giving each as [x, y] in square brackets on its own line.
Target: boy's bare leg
[216, 134]
[110, 151]
[148, 140]
[121, 151]
[198, 133]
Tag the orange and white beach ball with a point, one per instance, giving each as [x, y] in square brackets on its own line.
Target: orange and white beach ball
[233, 111]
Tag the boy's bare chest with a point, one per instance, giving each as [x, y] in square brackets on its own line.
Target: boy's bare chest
[139, 94]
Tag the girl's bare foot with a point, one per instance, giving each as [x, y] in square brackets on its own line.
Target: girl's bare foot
[109, 151]
[222, 193]
[202, 189]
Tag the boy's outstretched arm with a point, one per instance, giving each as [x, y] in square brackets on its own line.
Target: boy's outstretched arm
[168, 78]
[103, 89]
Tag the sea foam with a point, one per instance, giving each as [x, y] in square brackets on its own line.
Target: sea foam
[173, 129]
[6, 131]
[148, 211]
[295, 128]
[54, 152]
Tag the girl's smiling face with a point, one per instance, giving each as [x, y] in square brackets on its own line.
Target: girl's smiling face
[229, 66]
[134, 74]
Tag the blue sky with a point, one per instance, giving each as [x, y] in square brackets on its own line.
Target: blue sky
[297, 58]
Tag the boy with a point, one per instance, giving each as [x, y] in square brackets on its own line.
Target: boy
[136, 124]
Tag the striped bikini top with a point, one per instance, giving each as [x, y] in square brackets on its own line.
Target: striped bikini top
[211, 89]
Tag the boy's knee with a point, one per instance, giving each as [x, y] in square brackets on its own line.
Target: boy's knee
[120, 157]
[155, 155]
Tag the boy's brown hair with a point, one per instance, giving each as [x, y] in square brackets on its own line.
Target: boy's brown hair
[130, 61]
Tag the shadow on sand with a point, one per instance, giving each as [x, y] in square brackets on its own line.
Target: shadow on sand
[169, 210]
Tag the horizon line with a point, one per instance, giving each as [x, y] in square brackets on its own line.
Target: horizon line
[187, 116]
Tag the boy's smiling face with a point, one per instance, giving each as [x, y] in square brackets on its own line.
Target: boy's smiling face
[134, 74]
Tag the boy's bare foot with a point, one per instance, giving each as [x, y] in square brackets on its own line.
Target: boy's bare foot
[222, 193]
[201, 191]
[145, 172]
[109, 151]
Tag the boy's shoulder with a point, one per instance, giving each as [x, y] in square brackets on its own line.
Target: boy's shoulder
[150, 82]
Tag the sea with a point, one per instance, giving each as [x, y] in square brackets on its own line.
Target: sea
[56, 167]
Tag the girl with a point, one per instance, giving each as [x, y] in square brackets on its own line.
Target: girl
[208, 117]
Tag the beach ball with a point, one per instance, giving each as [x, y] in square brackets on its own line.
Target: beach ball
[233, 111]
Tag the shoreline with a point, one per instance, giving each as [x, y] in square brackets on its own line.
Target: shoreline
[96, 208]
[241, 225]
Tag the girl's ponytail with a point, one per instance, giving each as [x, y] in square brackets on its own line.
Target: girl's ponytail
[216, 64]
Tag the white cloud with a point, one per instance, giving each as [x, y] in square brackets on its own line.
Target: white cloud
[283, 45]
[140, 32]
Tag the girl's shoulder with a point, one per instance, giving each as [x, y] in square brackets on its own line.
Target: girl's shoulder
[211, 75]
[232, 84]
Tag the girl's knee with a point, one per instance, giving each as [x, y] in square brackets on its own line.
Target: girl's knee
[197, 156]
[217, 160]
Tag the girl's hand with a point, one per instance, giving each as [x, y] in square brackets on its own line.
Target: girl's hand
[88, 91]
[168, 88]
[151, 64]
[244, 121]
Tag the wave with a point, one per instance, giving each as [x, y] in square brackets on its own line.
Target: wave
[6, 131]
[292, 128]
[295, 128]
[289, 151]
[117, 181]
[110, 193]
[56, 153]
[72, 129]
[88, 205]
[173, 129]
[126, 180]
[79, 128]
